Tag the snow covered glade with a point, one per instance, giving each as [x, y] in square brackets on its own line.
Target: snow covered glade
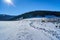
[30, 29]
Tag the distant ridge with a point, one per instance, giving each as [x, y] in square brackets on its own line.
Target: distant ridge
[4, 17]
[37, 13]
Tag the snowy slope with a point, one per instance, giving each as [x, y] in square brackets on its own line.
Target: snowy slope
[29, 29]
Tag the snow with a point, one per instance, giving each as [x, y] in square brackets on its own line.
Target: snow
[29, 29]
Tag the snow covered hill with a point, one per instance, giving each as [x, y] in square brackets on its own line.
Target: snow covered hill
[29, 29]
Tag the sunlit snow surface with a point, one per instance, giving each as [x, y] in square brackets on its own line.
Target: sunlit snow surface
[29, 29]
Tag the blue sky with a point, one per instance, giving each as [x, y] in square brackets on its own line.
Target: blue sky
[22, 6]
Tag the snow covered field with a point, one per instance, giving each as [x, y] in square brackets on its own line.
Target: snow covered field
[29, 29]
